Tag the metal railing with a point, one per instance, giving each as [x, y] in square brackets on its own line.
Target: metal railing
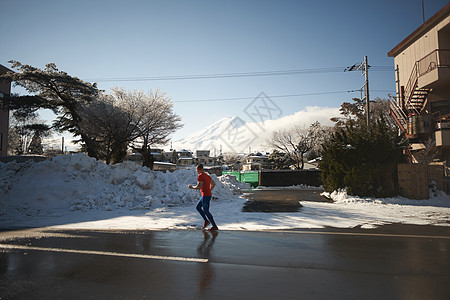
[412, 81]
[410, 88]
[437, 58]
[398, 114]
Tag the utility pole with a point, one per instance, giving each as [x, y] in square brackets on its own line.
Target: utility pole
[364, 68]
[366, 74]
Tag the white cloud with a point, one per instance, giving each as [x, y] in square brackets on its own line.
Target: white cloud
[226, 136]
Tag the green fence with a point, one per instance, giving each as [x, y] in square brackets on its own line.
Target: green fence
[251, 177]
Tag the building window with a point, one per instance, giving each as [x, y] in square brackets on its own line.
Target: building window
[1, 141]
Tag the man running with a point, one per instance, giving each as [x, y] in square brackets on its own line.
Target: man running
[205, 184]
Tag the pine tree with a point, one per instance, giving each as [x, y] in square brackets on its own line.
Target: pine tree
[363, 160]
[56, 90]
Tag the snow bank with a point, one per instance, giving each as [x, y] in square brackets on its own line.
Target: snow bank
[79, 192]
[233, 184]
[78, 182]
[437, 199]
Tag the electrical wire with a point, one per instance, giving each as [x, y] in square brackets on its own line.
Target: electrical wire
[272, 97]
[236, 75]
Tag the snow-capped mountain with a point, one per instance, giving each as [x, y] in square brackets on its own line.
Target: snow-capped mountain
[206, 139]
[233, 134]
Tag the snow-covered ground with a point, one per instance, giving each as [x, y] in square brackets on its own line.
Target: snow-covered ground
[75, 191]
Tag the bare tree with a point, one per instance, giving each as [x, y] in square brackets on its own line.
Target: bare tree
[109, 126]
[151, 118]
[26, 132]
[319, 134]
[230, 158]
[128, 118]
[297, 141]
[286, 141]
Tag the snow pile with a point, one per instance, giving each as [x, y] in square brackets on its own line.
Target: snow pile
[437, 199]
[233, 184]
[78, 182]
[81, 193]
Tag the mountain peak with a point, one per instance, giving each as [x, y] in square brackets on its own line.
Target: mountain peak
[236, 135]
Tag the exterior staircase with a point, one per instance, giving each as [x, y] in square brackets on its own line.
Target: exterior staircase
[415, 97]
[418, 98]
[414, 101]
[398, 114]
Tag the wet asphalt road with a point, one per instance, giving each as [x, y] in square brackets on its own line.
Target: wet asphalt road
[391, 262]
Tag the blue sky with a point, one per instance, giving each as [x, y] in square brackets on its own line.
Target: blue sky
[98, 40]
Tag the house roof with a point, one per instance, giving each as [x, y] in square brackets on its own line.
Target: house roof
[4, 69]
[436, 18]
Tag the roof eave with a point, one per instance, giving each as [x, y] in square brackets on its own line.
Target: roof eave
[437, 17]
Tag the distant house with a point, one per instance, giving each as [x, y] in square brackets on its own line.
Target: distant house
[184, 158]
[164, 166]
[157, 165]
[184, 153]
[256, 162]
[170, 156]
[202, 153]
[202, 157]
[157, 154]
[185, 161]
[5, 91]
[422, 105]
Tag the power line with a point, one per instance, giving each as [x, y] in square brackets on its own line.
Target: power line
[235, 75]
[274, 96]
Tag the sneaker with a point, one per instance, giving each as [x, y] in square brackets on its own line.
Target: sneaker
[205, 224]
[214, 228]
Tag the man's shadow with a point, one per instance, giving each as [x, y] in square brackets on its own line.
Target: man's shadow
[207, 273]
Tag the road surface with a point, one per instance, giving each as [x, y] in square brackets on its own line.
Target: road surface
[391, 262]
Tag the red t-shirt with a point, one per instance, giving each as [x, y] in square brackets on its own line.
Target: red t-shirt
[206, 187]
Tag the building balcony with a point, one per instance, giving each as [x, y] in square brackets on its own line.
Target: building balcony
[434, 69]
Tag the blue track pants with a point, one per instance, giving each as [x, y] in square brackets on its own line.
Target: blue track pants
[203, 209]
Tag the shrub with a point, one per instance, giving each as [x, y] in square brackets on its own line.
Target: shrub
[363, 160]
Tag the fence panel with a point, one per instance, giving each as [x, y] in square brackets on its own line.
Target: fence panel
[247, 177]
